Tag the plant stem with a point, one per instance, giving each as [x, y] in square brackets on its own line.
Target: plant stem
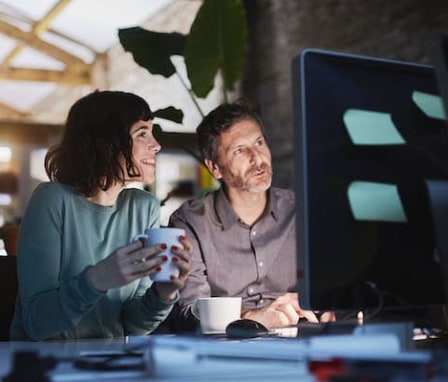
[190, 92]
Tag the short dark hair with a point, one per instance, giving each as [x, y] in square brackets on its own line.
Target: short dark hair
[219, 120]
[96, 135]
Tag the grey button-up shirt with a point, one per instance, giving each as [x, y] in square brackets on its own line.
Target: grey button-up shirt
[231, 258]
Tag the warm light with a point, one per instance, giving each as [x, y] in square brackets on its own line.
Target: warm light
[360, 317]
[5, 154]
[5, 199]
[37, 167]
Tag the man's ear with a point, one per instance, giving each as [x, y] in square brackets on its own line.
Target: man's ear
[213, 168]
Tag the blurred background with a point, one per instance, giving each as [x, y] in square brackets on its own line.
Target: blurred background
[54, 51]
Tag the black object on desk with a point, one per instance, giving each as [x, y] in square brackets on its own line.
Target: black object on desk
[310, 329]
[246, 328]
[28, 366]
[8, 291]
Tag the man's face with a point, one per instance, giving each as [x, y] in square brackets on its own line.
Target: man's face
[244, 158]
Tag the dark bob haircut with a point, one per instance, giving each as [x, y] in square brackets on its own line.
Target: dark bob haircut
[95, 139]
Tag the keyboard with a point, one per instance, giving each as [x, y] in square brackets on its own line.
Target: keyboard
[309, 329]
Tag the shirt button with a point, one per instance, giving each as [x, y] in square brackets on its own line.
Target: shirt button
[260, 264]
[261, 301]
[251, 290]
[254, 233]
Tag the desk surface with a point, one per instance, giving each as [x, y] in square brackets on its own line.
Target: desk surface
[176, 364]
[61, 350]
[174, 358]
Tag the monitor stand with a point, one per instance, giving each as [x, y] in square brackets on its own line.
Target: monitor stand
[438, 201]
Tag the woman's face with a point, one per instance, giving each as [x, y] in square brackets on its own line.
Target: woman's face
[144, 150]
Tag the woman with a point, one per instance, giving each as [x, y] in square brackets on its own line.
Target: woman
[77, 276]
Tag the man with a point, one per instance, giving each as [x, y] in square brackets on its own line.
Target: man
[243, 234]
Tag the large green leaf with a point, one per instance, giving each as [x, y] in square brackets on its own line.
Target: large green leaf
[217, 41]
[152, 50]
[170, 113]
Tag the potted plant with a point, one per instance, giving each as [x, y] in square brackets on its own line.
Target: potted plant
[216, 45]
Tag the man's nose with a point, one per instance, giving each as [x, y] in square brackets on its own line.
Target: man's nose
[256, 156]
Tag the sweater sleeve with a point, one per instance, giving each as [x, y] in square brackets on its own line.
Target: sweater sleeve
[49, 306]
[144, 315]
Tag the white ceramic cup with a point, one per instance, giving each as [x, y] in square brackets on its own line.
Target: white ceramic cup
[169, 236]
[215, 313]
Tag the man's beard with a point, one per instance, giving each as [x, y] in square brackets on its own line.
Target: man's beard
[244, 183]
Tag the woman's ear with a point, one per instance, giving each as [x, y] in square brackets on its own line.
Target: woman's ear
[213, 168]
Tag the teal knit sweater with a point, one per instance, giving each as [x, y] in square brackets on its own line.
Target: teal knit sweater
[61, 235]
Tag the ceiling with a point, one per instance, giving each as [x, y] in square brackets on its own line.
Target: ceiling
[50, 45]
[52, 52]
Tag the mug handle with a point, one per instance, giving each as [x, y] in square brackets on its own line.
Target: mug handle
[139, 237]
[195, 310]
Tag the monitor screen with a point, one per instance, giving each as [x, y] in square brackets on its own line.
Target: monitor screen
[369, 132]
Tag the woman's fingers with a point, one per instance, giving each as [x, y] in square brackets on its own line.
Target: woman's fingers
[136, 253]
[186, 243]
[182, 258]
[134, 260]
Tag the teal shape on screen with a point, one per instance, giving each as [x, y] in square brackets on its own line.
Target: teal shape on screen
[367, 127]
[374, 201]
[430, 104]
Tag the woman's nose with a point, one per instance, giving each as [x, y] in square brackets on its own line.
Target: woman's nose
[154, 145]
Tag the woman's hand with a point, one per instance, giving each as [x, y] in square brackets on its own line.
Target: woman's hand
[126, 264]
[182, 258]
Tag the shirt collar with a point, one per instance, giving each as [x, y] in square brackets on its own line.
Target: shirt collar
[227, 215]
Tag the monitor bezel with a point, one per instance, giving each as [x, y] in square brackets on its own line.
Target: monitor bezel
[299, 64]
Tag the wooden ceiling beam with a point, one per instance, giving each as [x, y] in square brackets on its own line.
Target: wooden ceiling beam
[44, 23]
[8, 59]
[68, 76]
[39, 27]
[25, 132]
[31, 40]
[41, 133]
[11, 111]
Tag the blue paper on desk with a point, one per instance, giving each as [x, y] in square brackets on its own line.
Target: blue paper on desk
[263, 357]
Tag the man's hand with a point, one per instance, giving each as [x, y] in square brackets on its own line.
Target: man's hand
[283, 311]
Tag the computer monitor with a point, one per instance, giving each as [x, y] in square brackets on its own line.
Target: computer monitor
[369, 133]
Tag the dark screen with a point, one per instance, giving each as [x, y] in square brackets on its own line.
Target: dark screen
[357, 263]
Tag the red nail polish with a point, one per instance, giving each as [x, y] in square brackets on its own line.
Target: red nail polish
[163, 246]
[174, 247]
[158, 269]
[164, 258]
[172, 278]
[174, 259]
[182, 237]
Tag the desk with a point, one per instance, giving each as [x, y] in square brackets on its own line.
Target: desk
[61, 350]
[174, 363]
[260, 372]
